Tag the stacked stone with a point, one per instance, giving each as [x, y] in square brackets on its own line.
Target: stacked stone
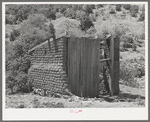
[50, 77]
[56, 53]
[48, 67]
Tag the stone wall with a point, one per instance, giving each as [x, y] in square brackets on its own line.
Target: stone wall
[49, 67]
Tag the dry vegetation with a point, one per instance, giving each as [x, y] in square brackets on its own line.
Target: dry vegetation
[119, 20]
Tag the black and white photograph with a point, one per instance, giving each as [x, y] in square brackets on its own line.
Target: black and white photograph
[75, 59]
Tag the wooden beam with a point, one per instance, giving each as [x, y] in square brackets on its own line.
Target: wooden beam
[114, 68]
[105, 60]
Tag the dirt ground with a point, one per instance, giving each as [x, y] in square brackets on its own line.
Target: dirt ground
[128, 97]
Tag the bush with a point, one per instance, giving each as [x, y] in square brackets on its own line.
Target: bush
[91, 31]
[92, 17]
[134, 8]
[129, 70]
[70, 12]
[142, 17]
[118, 7]
[80, 14]
[10, 19]
[15, 33]
[100, 5]
[87, 9]
[37, 20]
[17, 59]
[133, 14]
[112, 11]
[85, 23]
[51, 15]
[58, 15]
[127, 6]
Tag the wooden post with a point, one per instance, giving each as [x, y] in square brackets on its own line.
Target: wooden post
[114, 68]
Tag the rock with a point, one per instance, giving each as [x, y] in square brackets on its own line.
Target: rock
[21, 106]
[57, 95]
[65, 96]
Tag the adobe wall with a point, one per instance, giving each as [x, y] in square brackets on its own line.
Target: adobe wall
[49, 67]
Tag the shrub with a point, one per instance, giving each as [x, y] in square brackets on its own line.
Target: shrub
[87, 9]
[58, 15]
[85, 23]
[37, 20]
[129, 70]
[18, 61]
[80, 14]
[15, 33]
[112, 11]
[134, 46]
[118, 7]
[51, 14]
[127, 39]
[6, 35]
[133, 14]
[70, 12]
[10, 19]
[92, 17]
[127, 6]
[134, 8]
[142, 16]
[100, 5]
[91, 31]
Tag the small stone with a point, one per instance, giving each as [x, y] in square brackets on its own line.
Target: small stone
[58, 95]
[65, 96]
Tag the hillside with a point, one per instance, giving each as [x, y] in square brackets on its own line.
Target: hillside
[28, 25]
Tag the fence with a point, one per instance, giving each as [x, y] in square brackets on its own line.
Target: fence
[84, 65]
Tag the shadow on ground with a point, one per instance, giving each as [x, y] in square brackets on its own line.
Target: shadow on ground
[122, 97]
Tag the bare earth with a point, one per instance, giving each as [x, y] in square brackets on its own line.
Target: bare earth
[128, 97]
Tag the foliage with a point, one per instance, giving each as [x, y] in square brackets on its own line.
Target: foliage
[15, 33]
[34, 31]
[88, 9]
[85, 23]
[70, 12]
[100, 5]
[118, 7]
[80, 14]
[134, 10]
[58, 15]
[142, 16]
[92, 17]
[127, 6]
[112, 11]
[9, 19]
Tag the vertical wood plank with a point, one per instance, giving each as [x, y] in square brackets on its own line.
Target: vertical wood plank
[84, 67]
[79, 67]
[88, 67]
[71, 65]
[97, 67]
[68, 46]
[114, 84]
[116, 66]
[92, 67]
[75, 63]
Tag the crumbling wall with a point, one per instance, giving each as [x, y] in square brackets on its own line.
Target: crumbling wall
[49, 66]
